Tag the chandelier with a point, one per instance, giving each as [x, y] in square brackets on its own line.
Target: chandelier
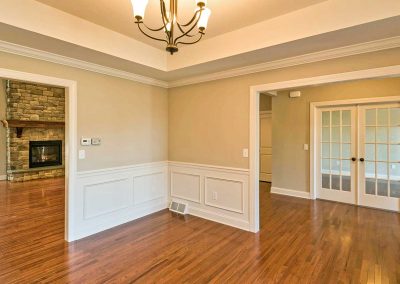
[175, 33]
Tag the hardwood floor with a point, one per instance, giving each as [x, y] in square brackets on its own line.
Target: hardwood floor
[301, 241]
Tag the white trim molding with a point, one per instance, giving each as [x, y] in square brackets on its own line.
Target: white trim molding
[76, 63]
[70, 136]
[350, 50]
[212, 192]
[290, 192]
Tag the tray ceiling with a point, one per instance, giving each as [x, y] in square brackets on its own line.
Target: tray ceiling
[226, 15]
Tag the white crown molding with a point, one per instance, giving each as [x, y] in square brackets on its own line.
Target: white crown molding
[361, 48]
[293, 61]
[76, 63]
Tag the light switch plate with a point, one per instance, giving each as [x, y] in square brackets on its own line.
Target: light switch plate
[305, 147]
[82, 154]
[245, 153]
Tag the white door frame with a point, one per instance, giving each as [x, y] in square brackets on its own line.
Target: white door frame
[254, 128]
[70, 135]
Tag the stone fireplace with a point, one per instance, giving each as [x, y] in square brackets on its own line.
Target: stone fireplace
[35, 131]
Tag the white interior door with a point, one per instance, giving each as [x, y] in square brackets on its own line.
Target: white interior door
[359, 155]
[266, 146]
[337, 148]
[379, 150]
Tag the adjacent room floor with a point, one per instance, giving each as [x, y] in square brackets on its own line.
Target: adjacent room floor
[300, 241]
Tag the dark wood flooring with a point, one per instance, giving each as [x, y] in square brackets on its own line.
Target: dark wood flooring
[301, 241]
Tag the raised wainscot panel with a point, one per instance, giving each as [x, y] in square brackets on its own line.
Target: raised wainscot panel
[224, 194]
[148, 187]
[106, 197]
[186, 186]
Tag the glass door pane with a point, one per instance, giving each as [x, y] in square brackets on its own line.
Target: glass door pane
[337, 146]
[376, 149]
[394, 152]
[380, 147]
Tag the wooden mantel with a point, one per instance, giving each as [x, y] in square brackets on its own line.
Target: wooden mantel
[21, 124]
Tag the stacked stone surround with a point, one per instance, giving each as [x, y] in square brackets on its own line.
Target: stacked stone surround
[33, 102]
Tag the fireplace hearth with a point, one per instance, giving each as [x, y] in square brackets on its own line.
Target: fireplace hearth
[45, 153]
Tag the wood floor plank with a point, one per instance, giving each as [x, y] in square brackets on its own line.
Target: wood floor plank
[301, 241]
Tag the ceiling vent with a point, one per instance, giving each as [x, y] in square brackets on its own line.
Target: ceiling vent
[180, 208]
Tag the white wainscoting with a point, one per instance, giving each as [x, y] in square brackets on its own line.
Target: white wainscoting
[216, 193]
[109, 197]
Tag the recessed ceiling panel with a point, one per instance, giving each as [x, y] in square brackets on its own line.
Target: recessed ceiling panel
[226, 15]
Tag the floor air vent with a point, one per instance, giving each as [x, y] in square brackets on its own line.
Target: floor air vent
[177, 207]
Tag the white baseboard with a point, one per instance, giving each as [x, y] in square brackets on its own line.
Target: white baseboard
[3, 177]
[290, 192]
[219, 218]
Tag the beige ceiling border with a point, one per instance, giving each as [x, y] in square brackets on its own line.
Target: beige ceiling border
[76, 63]
[355, 49]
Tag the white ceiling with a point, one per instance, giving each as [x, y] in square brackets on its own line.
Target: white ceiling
[226, 15]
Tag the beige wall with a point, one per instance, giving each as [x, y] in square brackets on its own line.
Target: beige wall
[209, 122]
[2, 129]
[291, 132]
[205, 123]
[131, 118]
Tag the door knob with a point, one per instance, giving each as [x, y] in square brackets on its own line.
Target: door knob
[362, 160]
[354, 159]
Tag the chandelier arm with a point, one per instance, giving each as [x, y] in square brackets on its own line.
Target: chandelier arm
[191, 20]
[182, 31]
[163, 12]
[196, 41]
[164, 19]
[143, 32]
[189, 30]
[153, 30]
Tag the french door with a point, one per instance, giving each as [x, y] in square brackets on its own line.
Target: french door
[359, 155]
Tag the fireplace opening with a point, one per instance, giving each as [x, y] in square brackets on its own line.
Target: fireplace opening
[45, 153]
